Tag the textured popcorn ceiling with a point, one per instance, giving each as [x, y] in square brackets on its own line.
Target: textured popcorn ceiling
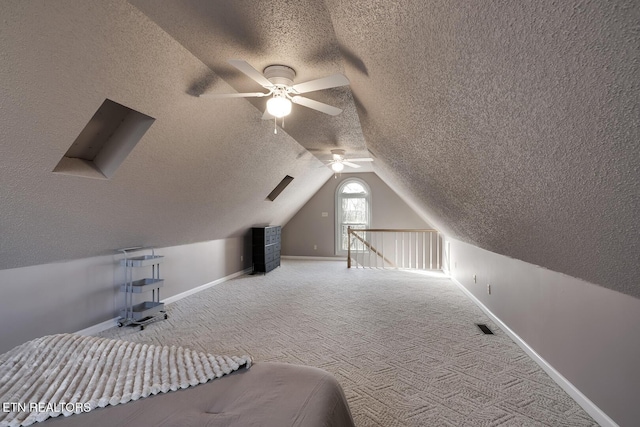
[512, 126]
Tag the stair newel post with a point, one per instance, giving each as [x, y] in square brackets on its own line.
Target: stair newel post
[348, 246]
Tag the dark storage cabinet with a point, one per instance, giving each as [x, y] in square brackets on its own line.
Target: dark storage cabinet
[266, 248]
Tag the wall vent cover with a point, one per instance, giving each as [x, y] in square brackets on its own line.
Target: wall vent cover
[104, 143]
[283, 184]
[484, 329]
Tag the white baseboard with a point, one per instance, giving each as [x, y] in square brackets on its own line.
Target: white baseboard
[315, 258]
[92, 330]
[206, 286]
[107, 324]
[596, 413]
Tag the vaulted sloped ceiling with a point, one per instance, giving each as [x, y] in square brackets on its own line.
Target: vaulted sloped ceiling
[509, 125]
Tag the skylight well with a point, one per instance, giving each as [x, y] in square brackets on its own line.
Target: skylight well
[280, 187]
[104, 143]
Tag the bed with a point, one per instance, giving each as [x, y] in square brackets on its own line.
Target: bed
[265, 394]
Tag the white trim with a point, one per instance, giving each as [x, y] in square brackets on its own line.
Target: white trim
[337, 233]
[206, 286]
[596, 413]
[95, 329]
[315, 258]
[108, 324]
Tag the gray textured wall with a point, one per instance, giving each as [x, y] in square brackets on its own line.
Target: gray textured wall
[586, 332]
[74, 295]
[308, 227]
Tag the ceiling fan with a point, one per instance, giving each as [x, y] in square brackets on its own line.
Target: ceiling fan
[278, 80]
[339, 162]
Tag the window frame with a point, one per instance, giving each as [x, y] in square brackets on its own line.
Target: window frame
[338, 209]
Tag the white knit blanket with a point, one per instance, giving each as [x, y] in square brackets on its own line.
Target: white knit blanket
[68, 373]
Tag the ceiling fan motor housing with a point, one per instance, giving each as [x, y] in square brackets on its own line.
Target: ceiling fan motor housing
[337, 154]
[280, 75]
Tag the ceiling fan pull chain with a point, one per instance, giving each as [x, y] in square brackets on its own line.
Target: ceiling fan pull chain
[275, 125]
[282, 122]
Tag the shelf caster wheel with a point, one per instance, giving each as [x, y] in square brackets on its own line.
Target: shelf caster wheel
[142, 328]
[120, 325]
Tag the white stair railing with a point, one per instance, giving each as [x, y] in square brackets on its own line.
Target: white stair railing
[418, 249]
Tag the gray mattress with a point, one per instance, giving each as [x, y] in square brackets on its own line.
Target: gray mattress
[267, 394]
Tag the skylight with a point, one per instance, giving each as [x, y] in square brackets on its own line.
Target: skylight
[104, 143]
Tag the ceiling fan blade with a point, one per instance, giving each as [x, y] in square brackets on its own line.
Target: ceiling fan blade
[333, 80]
[310, 103]
[256, 75]
[363, 159]
[328, 163]
[233, 95]
[353, 165]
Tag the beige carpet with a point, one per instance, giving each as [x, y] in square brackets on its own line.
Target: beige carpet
[404, 346]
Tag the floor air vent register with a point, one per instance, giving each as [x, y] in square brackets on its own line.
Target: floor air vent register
[484, 329]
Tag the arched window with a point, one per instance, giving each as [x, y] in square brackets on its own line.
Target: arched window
[353, 209]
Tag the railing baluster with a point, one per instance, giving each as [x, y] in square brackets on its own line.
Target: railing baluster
[417, 254]
[395, 252]
[430, 250]
[365, 255]
[360, 253]
[357, 243]
[383, 258]
[414, 236]
[438, 250]
[354, 251]
[364, 236]
[404, 246]
[360, 249]
[424, 266]
[377, 244]
[355, 248]
[368, 239]
[374, 238]
[409, 249]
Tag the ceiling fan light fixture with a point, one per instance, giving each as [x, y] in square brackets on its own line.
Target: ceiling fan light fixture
[279, 106]
[337, 166]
